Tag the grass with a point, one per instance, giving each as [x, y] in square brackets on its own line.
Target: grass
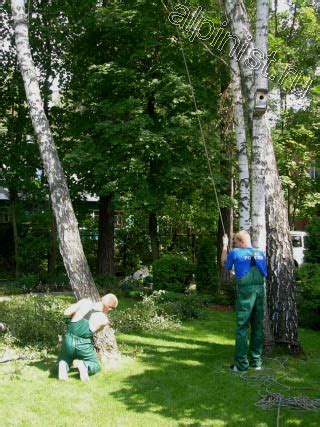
[165, 379]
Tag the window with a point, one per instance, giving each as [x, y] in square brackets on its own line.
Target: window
[296, 241]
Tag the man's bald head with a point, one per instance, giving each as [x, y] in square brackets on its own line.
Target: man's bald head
[109, 302]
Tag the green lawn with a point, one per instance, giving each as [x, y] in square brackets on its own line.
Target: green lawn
[165, 379]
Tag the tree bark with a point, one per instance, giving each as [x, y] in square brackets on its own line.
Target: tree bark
[13, 201]
[69, 239]
[279, 258]
[240, 28]
[259, 129]
[241, 140]
[106, 236]
[281, 291]
[70, 246]
[153, 233]
[53, 250]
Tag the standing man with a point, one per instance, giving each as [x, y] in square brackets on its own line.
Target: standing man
[250, 271]
[86, 318]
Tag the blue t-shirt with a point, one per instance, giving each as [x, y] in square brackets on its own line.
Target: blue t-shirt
[240, 258]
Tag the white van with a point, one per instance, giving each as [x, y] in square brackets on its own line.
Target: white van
[298, 239]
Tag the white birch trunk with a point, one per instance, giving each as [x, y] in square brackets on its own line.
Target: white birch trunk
[258, 211]
[70, 245]
[240, 28]
[259, 129]
[69, 239]
[241, 140]
[281, 287]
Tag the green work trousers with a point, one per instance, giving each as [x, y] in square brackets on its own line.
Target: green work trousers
[74, 347]
[249, 312]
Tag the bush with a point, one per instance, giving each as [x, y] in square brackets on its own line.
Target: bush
[206, 267]
[38, 283]
[144, 316]
[182, 306]
[308, 287]
[312, 251]
[56, 282]
[33, 253]
[225, 295]
[29, 283]
[172, 272]
[34, 320]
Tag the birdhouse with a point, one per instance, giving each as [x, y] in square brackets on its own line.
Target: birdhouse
[261, 101]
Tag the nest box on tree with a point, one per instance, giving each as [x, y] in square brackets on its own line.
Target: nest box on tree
[261, 101]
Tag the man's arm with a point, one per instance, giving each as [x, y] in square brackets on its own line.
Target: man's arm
[98, 321]
[83, 303]
[224, 252]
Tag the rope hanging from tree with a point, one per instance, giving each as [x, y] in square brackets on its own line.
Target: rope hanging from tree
[203, 139]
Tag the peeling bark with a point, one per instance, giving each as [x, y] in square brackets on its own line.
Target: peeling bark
[153, 233]
[69, 239]
[70, 245]
[106, 236]
[267, 196]
[241, 140]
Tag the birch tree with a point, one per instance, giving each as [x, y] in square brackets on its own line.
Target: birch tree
[70, 245]
[241, 141]
[265, 181]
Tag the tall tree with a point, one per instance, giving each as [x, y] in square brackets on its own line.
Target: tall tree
[137, 134]
[284, 328]
[241, 141]
[69, 239]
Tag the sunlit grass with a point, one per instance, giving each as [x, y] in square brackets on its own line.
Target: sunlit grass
[178, 378]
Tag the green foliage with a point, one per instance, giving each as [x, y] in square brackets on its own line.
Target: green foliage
[172, 272]
[182, 306]
[312, 251]
[206, 266]
[107, 283]
[34, 320]
[225, 294]
[144, 316]
[308, 286]
[36, 283]
[33, 253]
[161, 310]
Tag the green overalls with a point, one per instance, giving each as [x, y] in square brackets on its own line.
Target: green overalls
[249, 311]
[77, 343]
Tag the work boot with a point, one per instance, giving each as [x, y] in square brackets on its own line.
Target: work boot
[63, 370]
[234, 368]
[83, 370]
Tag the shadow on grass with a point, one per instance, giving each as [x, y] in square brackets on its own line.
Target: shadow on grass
[188, 382]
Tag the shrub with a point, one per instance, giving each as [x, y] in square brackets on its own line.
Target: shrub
[182, 306]
[172, 272]
[206, 267]
[312, 251]
[308, 287]
[34, 320]
[144, 316]
[29, 283]
[225, 294]
[33, 253]
[39, 283]
[56, 282]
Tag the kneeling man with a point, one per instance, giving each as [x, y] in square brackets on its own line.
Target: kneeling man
[86, 318]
